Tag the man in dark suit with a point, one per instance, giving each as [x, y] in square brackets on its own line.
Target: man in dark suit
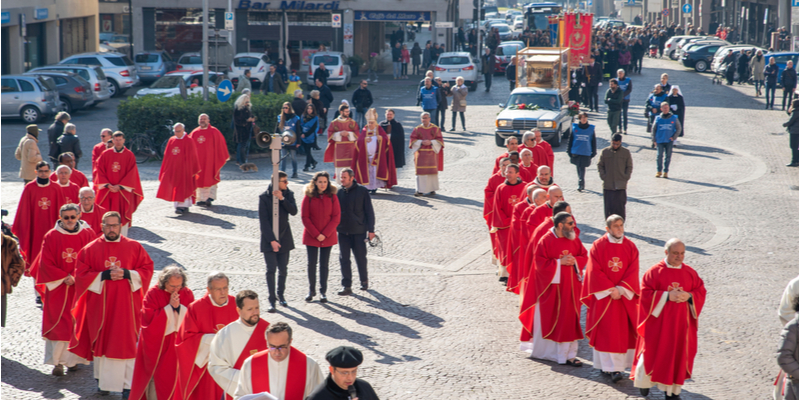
[322, 74]
[356, 224]
[273, 82]
[276, 250]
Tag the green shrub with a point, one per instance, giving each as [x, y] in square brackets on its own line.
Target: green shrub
[137, 115]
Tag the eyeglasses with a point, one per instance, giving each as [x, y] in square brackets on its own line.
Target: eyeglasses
[111, 225]
[285, 108]
[69, 217]
[86, 198]
[278, 348]
[284, 181]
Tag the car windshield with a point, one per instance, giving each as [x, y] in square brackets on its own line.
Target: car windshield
[545, 101]
[501, 28]
[456, 60]
[146, 58]
[190, 60]
[507, 50]
[167, 82]
[120, 61]
[46, 83]
[245, 62]
[540, 21]
[328, 60]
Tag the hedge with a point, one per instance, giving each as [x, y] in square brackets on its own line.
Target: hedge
[139, 114]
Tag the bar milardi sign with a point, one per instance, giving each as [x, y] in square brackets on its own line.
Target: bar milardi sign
[288, 5]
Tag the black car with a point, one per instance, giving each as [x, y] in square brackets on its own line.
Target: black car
[74, 92]
[700, 57]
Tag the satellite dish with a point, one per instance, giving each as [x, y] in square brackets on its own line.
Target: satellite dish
[263, 139]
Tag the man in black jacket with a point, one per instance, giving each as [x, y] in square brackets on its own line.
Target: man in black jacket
[357, 219]
[361, 102]
[276, 250]
[789, 83]
[54, 131]
[593, 77]
[487, 67]
[344, 361]
[511, 73]
[67, 143]
[322, 74]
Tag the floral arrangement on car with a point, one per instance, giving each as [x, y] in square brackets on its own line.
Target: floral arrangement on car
[523, 106]
[574, 108]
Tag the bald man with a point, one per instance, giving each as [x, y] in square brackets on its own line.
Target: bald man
[554, 195]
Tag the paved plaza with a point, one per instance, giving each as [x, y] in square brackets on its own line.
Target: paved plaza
[436, 323]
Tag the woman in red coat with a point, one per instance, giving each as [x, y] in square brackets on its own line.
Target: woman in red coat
[321, 214]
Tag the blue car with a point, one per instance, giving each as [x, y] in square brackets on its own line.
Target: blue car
[781, 58]
[153, 65]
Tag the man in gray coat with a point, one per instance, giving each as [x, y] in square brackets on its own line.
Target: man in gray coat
[615, 168]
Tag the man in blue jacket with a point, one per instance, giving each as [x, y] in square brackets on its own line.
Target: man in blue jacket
[666, 129]
[653, 105]
[429, 97]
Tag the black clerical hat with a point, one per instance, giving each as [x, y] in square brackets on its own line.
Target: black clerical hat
[344, 357]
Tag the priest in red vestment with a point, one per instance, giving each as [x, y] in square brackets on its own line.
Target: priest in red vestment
[538, 197]
[507, 195]
[671, 302]
[558, 263]
[68, 188]
[54, 269]
[495, 180]
[373, 157]
[513, 243]
[179, 169]
[611, 295]
[118, 185]
[341, 139]
[37, 212]
[112, 276]
[543, 179]
[427, 144]
[527, 167]
[538, 215]
[155, 372]
[98, 149]
[91, 213]
[204, 318]
[212, 151]
[512, 144]
[281, 370]
[236, 342]
[76, 177]
[546, 151]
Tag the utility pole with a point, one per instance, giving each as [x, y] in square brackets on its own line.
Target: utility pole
[205, 50]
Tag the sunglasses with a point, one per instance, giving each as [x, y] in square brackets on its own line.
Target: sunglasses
[69, 217]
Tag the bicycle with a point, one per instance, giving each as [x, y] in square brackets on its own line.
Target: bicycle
[143, 147]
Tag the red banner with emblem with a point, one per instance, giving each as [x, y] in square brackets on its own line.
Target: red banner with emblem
[578, 35]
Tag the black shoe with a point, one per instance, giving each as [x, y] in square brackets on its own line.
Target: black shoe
[503, 279]
[323, 298]
[365, 285]
[102, 392]
[616, 376]
[314, 165]
[208, 202]
[673, 397]
[453, 129]
[793, 164]
[272, 308]
[310, 297]
[294, 175]
[126, 393]
[644, 392]
[282, 301]
[38, 300]
[346, 291]
[201, 203]
[305, 169]
[178, 211]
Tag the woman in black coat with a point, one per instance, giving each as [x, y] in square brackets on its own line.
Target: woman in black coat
[243, 127]
[397, 136]
[675, 100]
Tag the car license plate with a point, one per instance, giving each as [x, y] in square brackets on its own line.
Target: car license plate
[455, 70]
[146, 68]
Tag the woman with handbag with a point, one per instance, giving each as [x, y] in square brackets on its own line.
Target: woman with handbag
[321, 214]
[309, 124]
[289, 121]
[582, 147]
[459, 92]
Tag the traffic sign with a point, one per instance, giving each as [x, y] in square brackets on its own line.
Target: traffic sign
[590, 3]
[443, 24]
[687, 8]
[228, 21]
[336, 20]
[665, 12]
[224, 90]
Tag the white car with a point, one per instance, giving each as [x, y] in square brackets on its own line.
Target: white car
[338, 70]
[257, 63]
[512, 14]
[170, 84]
[723, 52]
[454, 64]
[190, 62]
[551, 116]
[519, 22]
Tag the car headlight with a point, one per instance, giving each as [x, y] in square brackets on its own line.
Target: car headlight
[548, 124]
[503, 123]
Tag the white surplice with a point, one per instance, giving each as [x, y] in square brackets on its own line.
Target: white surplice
[225, 349]
[427, 183]
[277, 377]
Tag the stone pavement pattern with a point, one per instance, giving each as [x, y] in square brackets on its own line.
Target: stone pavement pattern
[436, 323]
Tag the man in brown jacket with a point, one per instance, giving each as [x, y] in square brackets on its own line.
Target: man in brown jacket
[615, 168]
[28, 153]
[13, 267]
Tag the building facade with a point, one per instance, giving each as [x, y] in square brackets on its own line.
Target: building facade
[41, 32]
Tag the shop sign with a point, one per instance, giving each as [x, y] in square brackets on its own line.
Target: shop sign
[6, 17]
[348, 33]
[392, 16]
[41, 13]
[289, 5]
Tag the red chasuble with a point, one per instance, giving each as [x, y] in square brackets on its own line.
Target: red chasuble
[505, 198]
[295, 377]
[547, 152]
[115, 168]
[201, 319]
[513, 245]
[497, 162]
[383, 159]
[539, 215]
[58, 259]
[525, 174]
[522, 241]
[36, 215]
[107, 324]
[77, 177]
[341, 153]
[669, 341]
[427, 161]
[611, 324]
[94, 218]
[70, 192]
[179, 169]
[97, 150]
[488, 208]
[531, 171]
[156, 357]
[212, 152]
[256, 343]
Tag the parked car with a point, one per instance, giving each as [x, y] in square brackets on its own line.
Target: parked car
[74, 92]
[503, 55]
[28, 97]
[723, 52]
[170, 84]
[503, 30]
[451, 65]
[257, 63]
[491, 21]
[611, 23]
[152, 65]
[120, 71]
[694, 44]
[552, 117]
[699, 57]
[335, 64]
[512, 14]
[91, 73]
[120, 43]
[781, 58]
[190, 61]
[672, 45]
[598, 20]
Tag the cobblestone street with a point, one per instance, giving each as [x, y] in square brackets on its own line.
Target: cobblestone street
[436, 323]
